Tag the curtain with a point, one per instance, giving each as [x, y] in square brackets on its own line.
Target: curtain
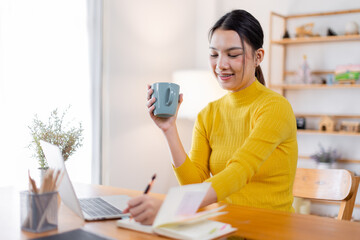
[95, 19]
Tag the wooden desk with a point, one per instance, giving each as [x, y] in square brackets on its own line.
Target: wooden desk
[252, 223]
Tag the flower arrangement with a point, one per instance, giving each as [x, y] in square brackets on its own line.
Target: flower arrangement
[326, 156]
[56, 132]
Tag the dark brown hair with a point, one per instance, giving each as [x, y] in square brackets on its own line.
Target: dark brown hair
[249, 30]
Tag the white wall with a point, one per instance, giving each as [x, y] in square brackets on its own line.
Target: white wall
[146, 40]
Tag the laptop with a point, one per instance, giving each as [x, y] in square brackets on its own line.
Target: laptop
[89, 209]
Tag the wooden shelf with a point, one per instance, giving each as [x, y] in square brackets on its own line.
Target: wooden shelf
[318, 14]
[292, 73]
[343, 160]
[312, 86]
[330, 115]
[309, 131]
[320, 39]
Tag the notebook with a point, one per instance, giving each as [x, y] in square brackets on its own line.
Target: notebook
[178, 217]
[90, 209]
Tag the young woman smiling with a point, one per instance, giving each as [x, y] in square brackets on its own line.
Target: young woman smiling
[245, 142]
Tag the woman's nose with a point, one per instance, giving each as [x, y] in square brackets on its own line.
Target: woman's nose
[222, 64]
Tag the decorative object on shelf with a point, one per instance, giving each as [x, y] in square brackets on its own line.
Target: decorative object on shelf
[327, 124]
[329, 79]
[321, 80]
[305, 30]
[347, 126]
[304, 72]
[351, 28]
[57, 132]
[286, 34]
[330, 32]
[300, 123]
[347, 73]
[326, 158]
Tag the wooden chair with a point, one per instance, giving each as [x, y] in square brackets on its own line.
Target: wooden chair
[338, 185]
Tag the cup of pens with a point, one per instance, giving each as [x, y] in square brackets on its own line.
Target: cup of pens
[39, 207]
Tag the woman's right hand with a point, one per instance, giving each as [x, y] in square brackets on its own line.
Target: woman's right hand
[143, 208]
[163, 123]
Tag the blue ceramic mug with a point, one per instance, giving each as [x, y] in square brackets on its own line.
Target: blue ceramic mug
[167, 98]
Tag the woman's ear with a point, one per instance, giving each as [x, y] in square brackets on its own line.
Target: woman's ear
[259, 56]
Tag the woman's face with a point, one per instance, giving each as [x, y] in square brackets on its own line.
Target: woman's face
[227, 60]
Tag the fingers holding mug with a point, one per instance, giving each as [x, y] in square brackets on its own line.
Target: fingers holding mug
[150, 104]
[150, 100]
[150, 91]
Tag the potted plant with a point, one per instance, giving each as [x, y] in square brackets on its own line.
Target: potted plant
[56, 131]
[326, 158]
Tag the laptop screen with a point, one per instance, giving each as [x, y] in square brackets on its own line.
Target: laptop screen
[66, 190]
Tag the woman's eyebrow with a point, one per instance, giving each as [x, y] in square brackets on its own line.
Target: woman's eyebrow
[229, 49]
[234, 48]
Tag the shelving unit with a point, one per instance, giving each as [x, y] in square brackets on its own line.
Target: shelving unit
[278, 54]
[284, 43]
[306, 40]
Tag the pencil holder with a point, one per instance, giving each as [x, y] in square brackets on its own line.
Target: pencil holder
[38, 212]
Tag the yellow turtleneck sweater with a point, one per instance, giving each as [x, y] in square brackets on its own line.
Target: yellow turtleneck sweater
[245, 145]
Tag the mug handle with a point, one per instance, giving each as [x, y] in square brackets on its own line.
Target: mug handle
[171, 96]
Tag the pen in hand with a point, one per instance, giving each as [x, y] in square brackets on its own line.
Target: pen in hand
[147, 189]
[126, 211]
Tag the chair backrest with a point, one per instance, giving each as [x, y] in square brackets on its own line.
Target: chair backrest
[328, 184]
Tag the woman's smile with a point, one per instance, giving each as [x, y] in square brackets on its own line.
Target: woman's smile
[225, 77]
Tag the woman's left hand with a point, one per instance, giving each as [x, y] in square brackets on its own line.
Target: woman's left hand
[143, 208]
[163, 123]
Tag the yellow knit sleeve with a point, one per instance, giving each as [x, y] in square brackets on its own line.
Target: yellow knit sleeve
[196, 170]
[273, 123]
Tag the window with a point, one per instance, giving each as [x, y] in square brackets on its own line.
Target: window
[44, 64]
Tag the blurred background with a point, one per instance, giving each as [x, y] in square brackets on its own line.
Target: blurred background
[98, 57]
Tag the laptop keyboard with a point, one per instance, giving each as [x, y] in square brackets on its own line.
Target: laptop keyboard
[97, 207]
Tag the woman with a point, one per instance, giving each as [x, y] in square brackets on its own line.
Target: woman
[245, 142]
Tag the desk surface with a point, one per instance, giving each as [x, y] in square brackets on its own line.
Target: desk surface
[252, 223]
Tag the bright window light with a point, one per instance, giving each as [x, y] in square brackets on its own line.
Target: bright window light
[43, 65]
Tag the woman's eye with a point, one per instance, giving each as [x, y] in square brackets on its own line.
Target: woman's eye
[213, 55]
[234, 55]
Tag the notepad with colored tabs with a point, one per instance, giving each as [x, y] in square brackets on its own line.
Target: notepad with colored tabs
[178, 217]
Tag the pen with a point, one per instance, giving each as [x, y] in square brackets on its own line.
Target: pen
[147, 189]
